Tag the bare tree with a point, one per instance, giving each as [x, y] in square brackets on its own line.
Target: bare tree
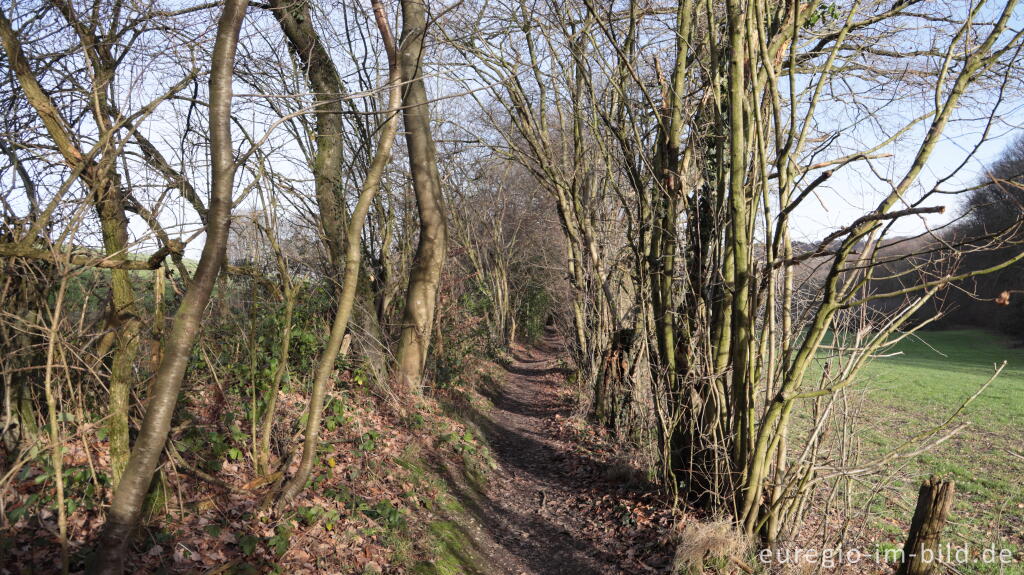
[126, 507]
[709, 156]
[353, 257]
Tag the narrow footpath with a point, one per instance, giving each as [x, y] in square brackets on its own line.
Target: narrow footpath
[556, 505]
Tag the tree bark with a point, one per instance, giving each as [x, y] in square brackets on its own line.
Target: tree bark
[106, 193]
[295, 19]
[353, 256]
[920, 554]
[421, 295]
[130, 494]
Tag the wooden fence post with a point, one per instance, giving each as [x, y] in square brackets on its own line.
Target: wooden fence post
[921, 552]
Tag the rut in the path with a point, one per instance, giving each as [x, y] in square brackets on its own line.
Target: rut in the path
[550, 509]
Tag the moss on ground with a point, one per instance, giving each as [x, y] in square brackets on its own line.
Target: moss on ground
[454, 550]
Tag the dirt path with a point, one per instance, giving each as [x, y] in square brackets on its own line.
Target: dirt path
[551, 507]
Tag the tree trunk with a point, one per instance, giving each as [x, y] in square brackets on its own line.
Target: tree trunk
[106, 193]
[421, 295]
[130, 494]
[289, 292]
[353, 256]
[123, 321]
[296, 21]
[920, 554]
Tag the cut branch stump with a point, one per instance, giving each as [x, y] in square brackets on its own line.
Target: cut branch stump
[921, 552]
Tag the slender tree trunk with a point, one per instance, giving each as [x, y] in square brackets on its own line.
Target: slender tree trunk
[421, 295]
[124, 322]
[738, 205]
[56, 444]
[382, 285]
[353, 255]
[130, 494]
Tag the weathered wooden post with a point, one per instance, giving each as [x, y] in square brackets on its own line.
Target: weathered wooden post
[921, 552]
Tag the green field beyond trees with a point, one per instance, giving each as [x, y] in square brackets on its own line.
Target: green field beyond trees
[931, 376]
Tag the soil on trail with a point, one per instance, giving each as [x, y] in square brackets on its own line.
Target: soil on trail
[555, 504]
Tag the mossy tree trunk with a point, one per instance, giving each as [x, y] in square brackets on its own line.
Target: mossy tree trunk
[100, 176]
[296, 21]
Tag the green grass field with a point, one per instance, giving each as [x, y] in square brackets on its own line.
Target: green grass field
[919, 388]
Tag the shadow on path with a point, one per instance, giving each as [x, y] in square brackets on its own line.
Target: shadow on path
[548, 508]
